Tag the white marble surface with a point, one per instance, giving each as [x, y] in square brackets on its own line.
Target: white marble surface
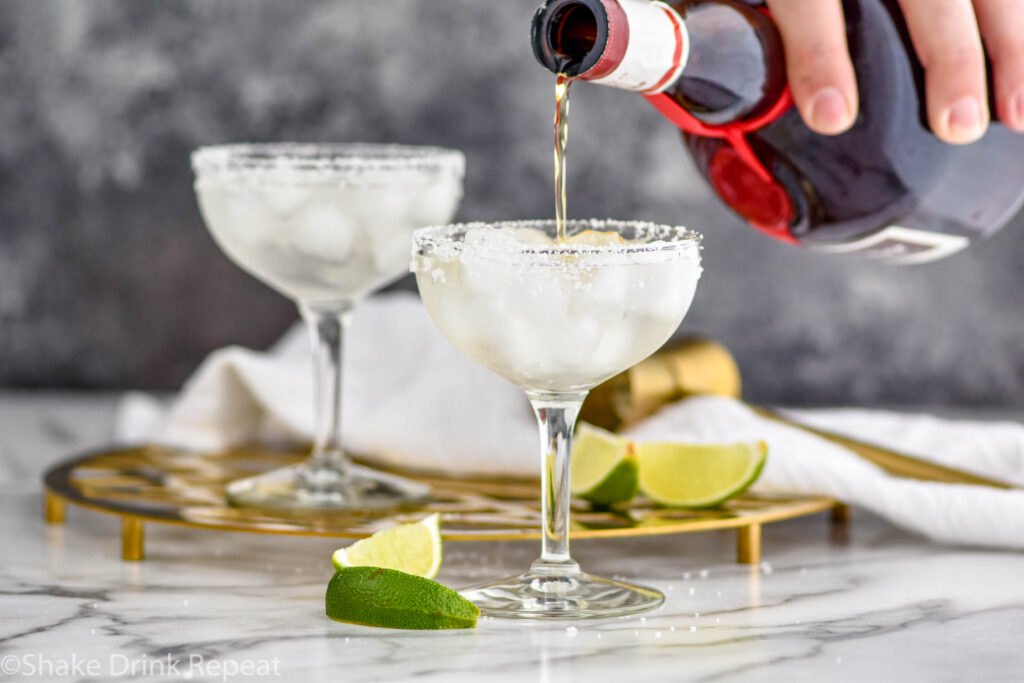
[877, 605]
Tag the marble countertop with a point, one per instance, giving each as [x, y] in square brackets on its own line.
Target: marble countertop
[867, 602]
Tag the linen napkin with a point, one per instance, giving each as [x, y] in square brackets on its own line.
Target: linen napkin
[410, 399]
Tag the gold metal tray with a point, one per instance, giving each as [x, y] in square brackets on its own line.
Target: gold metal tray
[156, 484]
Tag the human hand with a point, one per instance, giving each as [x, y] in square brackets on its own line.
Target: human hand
[947, 35]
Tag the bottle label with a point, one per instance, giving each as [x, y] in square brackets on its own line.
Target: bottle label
[656, 50]
[899, 245]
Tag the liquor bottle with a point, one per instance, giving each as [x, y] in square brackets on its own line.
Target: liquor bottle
[886, 188]
[683, 368]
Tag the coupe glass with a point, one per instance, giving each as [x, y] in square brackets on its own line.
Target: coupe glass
[557, 319]
[324, 225]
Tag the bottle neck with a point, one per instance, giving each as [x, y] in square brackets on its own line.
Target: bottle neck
[637, 45]
[719, 59]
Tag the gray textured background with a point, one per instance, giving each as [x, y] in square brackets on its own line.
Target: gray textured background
[108, 278]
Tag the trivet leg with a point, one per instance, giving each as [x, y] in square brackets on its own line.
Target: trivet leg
[840, 513]
[132, 538]
[748, 544]
[53, 508]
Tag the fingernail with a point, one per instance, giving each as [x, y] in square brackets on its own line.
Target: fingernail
[1018, 108]
[828, 110]
[964, 117]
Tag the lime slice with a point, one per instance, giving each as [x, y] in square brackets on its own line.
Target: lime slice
[596, 238]
[373, 596]
[603, 468]
[696, 476]
[411, 548]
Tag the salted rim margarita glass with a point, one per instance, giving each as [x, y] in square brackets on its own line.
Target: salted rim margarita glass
[325, 225]
[557, 320]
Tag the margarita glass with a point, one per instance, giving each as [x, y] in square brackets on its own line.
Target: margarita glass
[557, 319]
[324, 225]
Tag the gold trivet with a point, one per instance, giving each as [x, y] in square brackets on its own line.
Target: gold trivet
[155, 484]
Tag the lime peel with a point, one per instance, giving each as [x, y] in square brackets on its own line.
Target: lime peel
[388, 598]
[603, 468]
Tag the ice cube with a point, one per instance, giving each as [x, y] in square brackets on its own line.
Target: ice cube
[285, 200]
[470, 324]
[435, 203]
[528, 350]
[533, 236]
[574, 342]
[379, 209]
[617, 349]
[324, 232]
[391, 251]
[383, 214]
[239, 223]
[487, 276]
[552, 357]
[670, 288]
[541, 294]
[606, 292]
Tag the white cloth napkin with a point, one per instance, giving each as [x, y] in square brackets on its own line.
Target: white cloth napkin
[409, 398]
[412, 400]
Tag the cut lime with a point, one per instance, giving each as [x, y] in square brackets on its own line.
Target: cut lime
[696, 476]
[411, 548]
[603, 468]
[372, 596]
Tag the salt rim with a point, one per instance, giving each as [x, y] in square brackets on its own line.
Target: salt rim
[663, 243]
[300, 163]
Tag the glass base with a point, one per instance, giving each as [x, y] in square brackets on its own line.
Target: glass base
[545, 595]
[303, 487]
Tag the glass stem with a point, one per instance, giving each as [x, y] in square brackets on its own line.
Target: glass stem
[326, 326]
[556, 415]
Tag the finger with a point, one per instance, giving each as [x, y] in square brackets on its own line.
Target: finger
[945, 35]
[1002, 29]
[818, 62]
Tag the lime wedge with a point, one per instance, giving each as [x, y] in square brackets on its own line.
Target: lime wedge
[696, 476]
[411, 548]
[372, 596]
[603, 468]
